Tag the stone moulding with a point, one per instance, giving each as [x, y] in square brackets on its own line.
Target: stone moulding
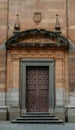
[17, 39]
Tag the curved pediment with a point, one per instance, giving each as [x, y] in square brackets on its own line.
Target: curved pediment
[37, 37]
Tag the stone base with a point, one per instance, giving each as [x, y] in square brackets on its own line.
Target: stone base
[13, 112]
[67, 114]
[71, 114]
[60, 112]
[3, 113]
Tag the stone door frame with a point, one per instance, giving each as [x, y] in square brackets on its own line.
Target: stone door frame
[22, 90]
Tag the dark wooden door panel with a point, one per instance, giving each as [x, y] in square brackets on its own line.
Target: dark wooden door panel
[31, 102]
[37, 89]
[31, 89]
[43, 84]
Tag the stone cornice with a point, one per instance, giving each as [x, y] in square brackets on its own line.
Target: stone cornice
[56, 39]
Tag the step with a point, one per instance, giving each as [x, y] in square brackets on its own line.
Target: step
[37, 118]
[38, 121]
[37, 115]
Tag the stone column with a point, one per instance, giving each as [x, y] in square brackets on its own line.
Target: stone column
[23, 88]
[51, 88]
[14, 108]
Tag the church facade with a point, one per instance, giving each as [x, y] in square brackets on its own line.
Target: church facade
[37, 59]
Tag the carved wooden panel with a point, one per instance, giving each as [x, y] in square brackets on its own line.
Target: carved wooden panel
[37, 89]
[43, 84]
[31, 89]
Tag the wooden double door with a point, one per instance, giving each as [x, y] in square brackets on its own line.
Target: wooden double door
[37, 88]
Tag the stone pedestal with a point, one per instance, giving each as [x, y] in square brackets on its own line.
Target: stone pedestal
[71, 114]
[3, 113]
[13, 112]
[60, 112]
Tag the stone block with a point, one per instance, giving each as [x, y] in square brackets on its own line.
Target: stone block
[71, 114]
[59, 96]
[60, 112]
[2, 99]
[13, 112]
[13, 97]
[3, 113]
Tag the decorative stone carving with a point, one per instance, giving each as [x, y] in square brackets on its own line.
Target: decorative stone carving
[35, 37]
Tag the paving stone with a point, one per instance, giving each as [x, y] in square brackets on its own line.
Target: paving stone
[9, 126]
